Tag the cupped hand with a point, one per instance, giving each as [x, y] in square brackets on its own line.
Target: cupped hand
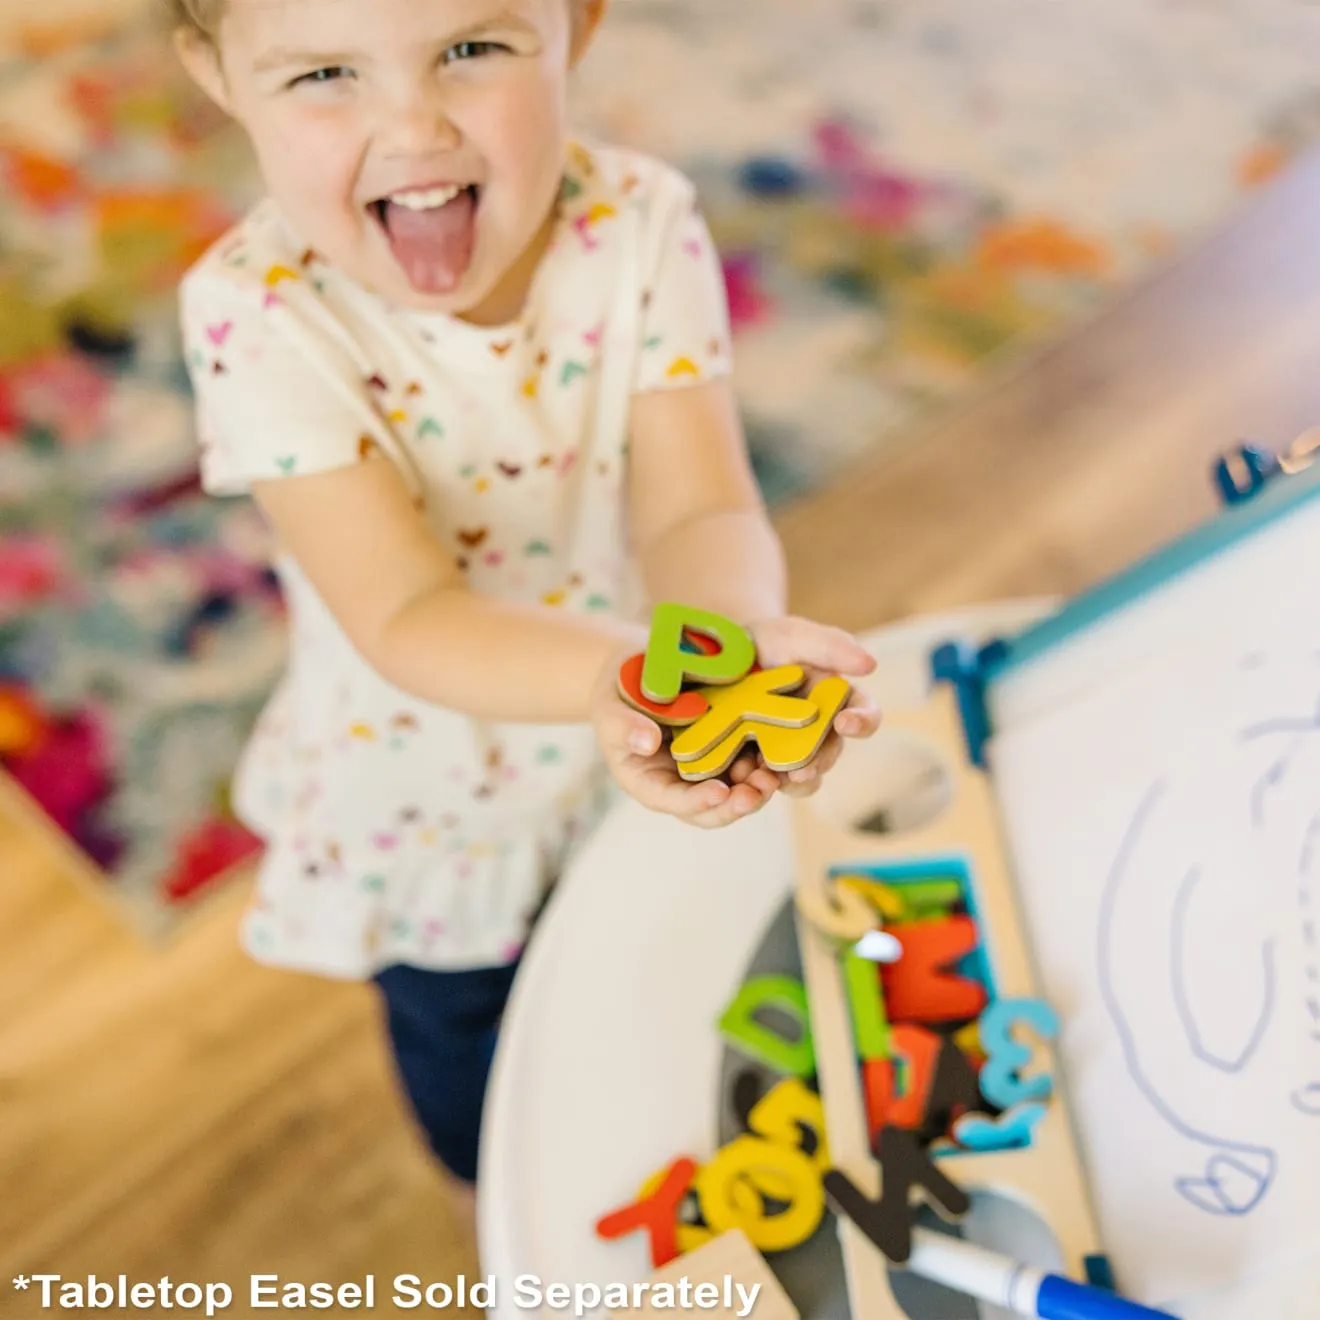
[635, 751]
[820, 651]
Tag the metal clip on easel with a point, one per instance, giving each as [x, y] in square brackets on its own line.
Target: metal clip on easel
[1242, 472]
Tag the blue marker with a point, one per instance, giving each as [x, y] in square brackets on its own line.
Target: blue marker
[1001, 1281]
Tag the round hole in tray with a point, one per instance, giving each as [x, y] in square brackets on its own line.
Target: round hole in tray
[892, 783]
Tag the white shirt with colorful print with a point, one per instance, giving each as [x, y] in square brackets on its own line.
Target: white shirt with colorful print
[396, 830]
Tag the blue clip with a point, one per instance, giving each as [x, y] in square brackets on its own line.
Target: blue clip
[1240, 473]
[1099, 1272]
[962, 665]
[774, 177]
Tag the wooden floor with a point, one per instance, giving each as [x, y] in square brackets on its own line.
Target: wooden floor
[184, 1112]
[1096, 453]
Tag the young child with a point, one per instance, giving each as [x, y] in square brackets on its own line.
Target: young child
[475, 375]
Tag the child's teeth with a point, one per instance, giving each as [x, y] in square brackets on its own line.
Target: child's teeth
[425, 199]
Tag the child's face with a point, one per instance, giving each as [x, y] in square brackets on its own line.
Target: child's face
[417, 144]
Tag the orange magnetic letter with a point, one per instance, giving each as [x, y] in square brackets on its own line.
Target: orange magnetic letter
[657, 1213]
[919, 987]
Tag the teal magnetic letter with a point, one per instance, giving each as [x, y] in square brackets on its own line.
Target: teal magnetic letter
[1010, 1131]
[1001, 1082]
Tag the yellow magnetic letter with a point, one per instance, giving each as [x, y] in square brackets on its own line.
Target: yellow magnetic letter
[781, 748]
[784, 1110]
[774, 1170]
[754, 699]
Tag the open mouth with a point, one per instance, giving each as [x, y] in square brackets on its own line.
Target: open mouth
[431, 232]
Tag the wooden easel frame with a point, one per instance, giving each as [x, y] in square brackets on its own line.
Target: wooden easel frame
[1047, 1176]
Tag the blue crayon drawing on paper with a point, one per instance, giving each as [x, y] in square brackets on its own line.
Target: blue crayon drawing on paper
[1238, 1173]
[1165, 829]
[1162, 1041]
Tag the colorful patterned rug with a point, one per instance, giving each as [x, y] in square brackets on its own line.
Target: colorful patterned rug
[908, 194]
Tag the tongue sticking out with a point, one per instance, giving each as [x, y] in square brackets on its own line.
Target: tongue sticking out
[433, 246]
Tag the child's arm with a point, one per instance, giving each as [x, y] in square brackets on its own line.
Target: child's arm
[703, 538]
[698, 521]
[702, 531]
[699, 526]
[404, 604]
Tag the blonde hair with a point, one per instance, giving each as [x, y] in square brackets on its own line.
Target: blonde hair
[202, 16]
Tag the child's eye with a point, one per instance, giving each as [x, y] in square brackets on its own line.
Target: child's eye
[468, 50]
[320, 77]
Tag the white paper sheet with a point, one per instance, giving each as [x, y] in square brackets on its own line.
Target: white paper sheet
[1165, 831]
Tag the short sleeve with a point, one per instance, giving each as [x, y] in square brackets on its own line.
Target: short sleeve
[276, 396]
[685, 335]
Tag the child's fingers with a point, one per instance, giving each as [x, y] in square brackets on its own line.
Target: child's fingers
[750, 769]
[659, 788]
[801, 788]
[810, 775]
[859, 718]
[801, 642]
[627, 731]
[708, 804]
[806, 780]
[634, 744]
[743, 801]
[830, 751]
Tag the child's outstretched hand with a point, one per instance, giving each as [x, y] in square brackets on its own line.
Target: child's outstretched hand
[634, 749]
[820, 651]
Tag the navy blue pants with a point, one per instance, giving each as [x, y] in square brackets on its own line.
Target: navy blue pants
[442, 1027]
